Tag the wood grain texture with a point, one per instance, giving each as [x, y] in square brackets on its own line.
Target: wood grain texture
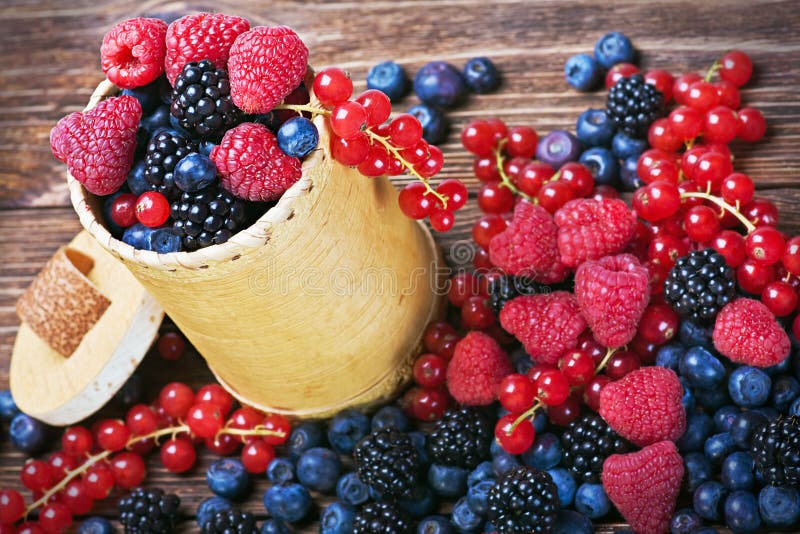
[51, 65]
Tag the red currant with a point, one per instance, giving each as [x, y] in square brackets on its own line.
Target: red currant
[662, 80]
[171, 345]
[486, 170]
[516, 393]
[686, 122]
[476, 314]
[123, 210]
[666, 249]
[552, 387]
[765, 245]
[350, 152]
[791, 255]
[55, 518]
[721, 125]
[435, 334]
[553, 195]
[564, 413]
[215, 394]
[417, 153]
[702, 96]
[780, 297]
[754, 276]
[728, 94]
[377, 104]
[619, 71]
[112, 435]
[332, 86]
[591, 393]
[577, 366]
[486, 228]
[77, 498]
[348, 119]
[478, 137]
[12, 506]
[405, 130]
[752, 125]
[761, 212]
[98, 481]
[622, 363]
[280, 427]
[246, 418]
[205, 419]
[223, 444]
[178, 455]
[701, 223]
[521, 142]
[152, 209]
[426, 404]
[455, 191]
[433, 164]
[77, 441]
[711, 168]
[495, 198]
[430, 370]
[36, 475]
[731, 245]
[26, 528]
[662, 136]
[176, 398]
[680, 89]
[376, 163]
[577, 177]
[514, 166]
[256, 456]
[659, 324]
[128, 470]
[415, 201]
[735, 67]
[657, 201]
[514, 440]
[737, 188]
[531, 177]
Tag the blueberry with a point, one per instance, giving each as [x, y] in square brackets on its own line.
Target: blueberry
[27, 434]
[147, 95]
[613, 48]
[565, 484]
[725, 416]
[591, 500]
[484, 471]
[390, 78]
[136, 180]
[347, 429]
[779, 506]
[698, 469]
[749, 387]
[687, 400]
[298, 137]
[108, 201]
[767, 411]
[209, 507]
[540, 421]
[743, 427]
[351, 489]
[794, 409]
[136, 236]
[280, 470]
[699, 426]
[545, 452]
[390, 416]
[228, 478]
[708, 500]
[304, 436]
[337, 518]
[737, 471]
[318, 469]
[435, 524]
[741, 512]
[712, 398]
[447, 480]
[785, 390]
[419, 439]
[669, 356]
[287, 502]
[718, 446]
[464, 518]
[685, 521]
[439, 84]
[194, 172]
[557, 148]
[478, 496]
[206, 147]
[159, 118]
[495, 448]
[629, 173]
[701, 368]
[8, 408]
[594, 128]
[582, 72]
[625, 147]
[503, 462]
[571, 522]
[419, 503]
[603, 165]
[434, 123]
[163, 240]
[481, 75]
[779, 368]
[96, 525]
[274, 526]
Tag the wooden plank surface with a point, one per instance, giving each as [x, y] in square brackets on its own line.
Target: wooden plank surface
[51, 65]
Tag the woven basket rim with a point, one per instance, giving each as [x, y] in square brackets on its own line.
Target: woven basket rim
[248, 239]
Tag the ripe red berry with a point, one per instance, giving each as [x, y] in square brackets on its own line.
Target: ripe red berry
[686, 122]
[98, 481]
[426, 404]
[780, 297]
[350, 152]
[77, 498]
[752, 125]
[112, 435]
[479, 138]
[405, 130]
[152, 209]
[791, 255]
[127, 469]
[657, 201]
[702, 96]
[495, 198]
[761, 212]
[701, 223]
[430, 370]
[435, 334]
[765, 245]
[223, 444]
[516, 392]
[577, 177]
[721, 125]
[564, 413]
[731, 245]
[662, 136]
[662, 80]
[442, 220]
[622, 363]
[171, 345]
[415, 202]
[215, 394]
[753, 276]
[659, 324]
[577, 366]
[332, 86]
[553, 195]
[591, 393]
[514, 440]
[728, 94]
[486, 228]
[176, 398]
[279, 426]
[521, 142]
[12, 506]
[737, 188]
[485, 169]
[735, 67]
[680, 89]
[431, 166]
[477, 314]
[61, 464]
[455, 191]
[54, 518]
[619, 71]
[531, 177]
[36, 475]
[256, 456]
[178, 455]
[123, 210]
[377, 104]
[77, 441]
[666, 249]
[348, 119]
[711, 168]
[205, 419]
[552, 387]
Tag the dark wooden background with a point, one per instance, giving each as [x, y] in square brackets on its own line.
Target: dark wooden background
[51, 65]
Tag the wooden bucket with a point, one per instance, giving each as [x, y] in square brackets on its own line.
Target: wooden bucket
[318, 306]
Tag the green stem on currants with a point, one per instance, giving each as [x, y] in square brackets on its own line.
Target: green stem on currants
[409, 168]
[724, 205]
[530, 412]
[712, 70]
[259, 430]
[602, 365]
[300, 108]
[506, 181]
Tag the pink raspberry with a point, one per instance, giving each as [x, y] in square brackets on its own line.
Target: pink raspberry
[547, 325]
[645, 406]
[612, 293]
[201, 36]
[252, 166]
[98, 145]
[132, 53]
[265, 65]
[477, 367]
[644, 485]
[529, 246]
[589, 229]
[747, 332]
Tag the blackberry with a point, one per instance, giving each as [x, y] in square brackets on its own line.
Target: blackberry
[461, 438]
[633, 105]
[523, 500]
[149, 511]
[164, 151]
[201, 100]
[587, 442]
[776, 450]
[699, 285]
[207, 217]
[380, 518]
[231, 522]
[387, 461]
[506, 287]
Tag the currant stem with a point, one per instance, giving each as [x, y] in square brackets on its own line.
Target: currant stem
[712, 70]
[255, 431]
[410, 168]
[300, 108]
[724, 205]
[528, 413]
[602, 365]
[506, 181]
[169, 431]
[66, 480]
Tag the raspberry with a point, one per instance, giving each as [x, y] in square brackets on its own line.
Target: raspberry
[747, 332]
[612, 293]
[477, 367]
[529, 245]
[201, 36]
[252, 166]
[644, 485]
[645, 406]
[98, 145]
[547, 325]
[589, 229]
[265, 65]
[133, 52]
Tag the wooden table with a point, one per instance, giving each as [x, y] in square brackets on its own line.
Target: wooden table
[51, 65]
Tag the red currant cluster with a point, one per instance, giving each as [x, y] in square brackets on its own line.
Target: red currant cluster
[93, 461]
[362, 137]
